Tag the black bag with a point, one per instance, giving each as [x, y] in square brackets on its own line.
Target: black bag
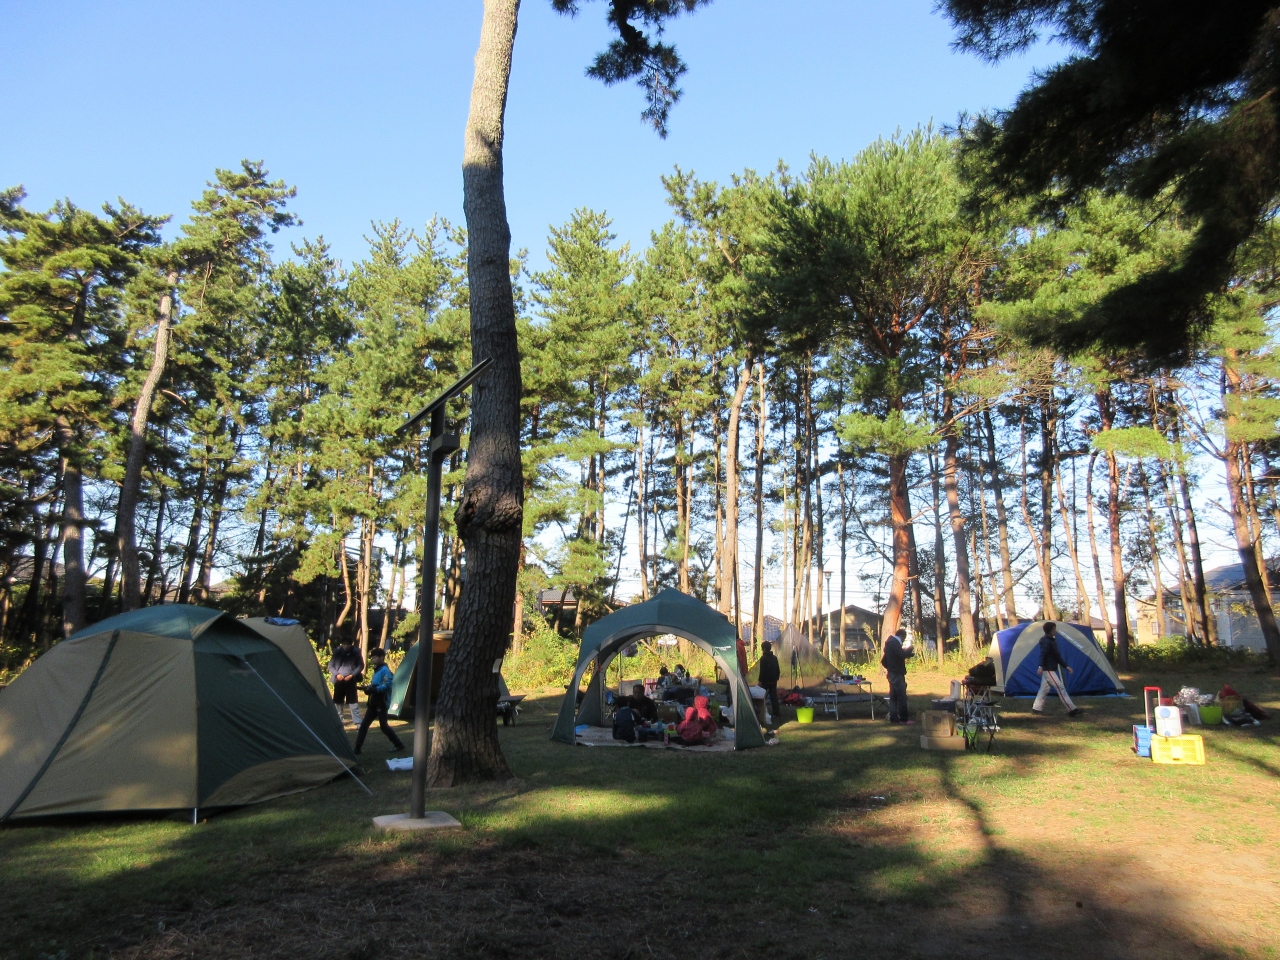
[984, 673]
[624, 725]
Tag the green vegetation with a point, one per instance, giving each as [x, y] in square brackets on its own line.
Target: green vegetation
[840, 817]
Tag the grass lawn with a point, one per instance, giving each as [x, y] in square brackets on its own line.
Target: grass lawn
[846, 839]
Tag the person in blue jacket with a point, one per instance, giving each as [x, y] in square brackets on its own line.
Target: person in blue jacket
[379, 691]
[1050, 660]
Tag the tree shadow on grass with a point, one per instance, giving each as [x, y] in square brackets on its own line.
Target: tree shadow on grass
[814, 848]
[1221, 745]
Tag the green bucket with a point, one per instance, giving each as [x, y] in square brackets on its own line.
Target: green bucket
[804, 714]
[1210, 714]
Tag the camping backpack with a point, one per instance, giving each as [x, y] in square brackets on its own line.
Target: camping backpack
[624, 725]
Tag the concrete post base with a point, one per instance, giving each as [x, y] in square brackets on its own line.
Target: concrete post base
[402, 823]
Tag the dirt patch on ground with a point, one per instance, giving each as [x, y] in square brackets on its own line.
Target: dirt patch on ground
[506, 904]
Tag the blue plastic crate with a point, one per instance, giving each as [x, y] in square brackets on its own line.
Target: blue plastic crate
[1142, 740]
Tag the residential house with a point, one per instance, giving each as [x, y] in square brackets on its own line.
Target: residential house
[1229, 604]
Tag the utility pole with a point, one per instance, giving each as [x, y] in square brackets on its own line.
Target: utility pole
[442, 445]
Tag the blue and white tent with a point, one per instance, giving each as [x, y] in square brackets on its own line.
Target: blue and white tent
[1016, 652]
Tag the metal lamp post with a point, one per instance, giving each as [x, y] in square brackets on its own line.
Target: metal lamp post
[442, 444]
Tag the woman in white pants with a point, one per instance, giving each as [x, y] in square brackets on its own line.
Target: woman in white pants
[1050, 660]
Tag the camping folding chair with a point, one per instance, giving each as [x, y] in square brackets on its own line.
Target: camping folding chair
[979, 714]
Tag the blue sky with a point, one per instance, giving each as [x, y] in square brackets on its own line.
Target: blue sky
[362, 105]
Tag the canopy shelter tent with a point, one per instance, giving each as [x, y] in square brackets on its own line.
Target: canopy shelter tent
[803, 664]
[167, 708]
[1016, 652]
[669, 612]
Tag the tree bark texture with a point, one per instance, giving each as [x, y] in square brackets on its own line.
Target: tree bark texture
[1106, 416]
[126, 512]
[72, 536]
[964, 575]
[1002, 520]
[730, 560]
[900, 517]
[465, 747]
[757, 614]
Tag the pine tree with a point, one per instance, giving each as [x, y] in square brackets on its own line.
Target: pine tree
[1152, 100]
[60, 346]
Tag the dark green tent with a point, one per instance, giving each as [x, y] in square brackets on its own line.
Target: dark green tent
[404, 686]
[168, 707]
[669, 612]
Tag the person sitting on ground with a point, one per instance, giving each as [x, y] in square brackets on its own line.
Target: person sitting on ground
[379, 691]
[625, 722]
[645, 708]
[698, 726]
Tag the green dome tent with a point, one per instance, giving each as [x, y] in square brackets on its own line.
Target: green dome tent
[168, 707]
[669, 612]
[804, 666]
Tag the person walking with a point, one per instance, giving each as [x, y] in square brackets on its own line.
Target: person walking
[379, 691]
[896, 650]
[1050, 660]
[770, 673]
[346, 670]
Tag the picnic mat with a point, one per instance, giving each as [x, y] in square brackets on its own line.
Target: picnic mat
[603, 737]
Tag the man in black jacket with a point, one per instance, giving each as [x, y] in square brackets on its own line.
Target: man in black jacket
[346, 670]
[894, 662]
[1050, 661]
[770, 673]
[645, 708]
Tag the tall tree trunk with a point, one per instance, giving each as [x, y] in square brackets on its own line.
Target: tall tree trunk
[71, 538]
[193, 532]
[1093, 551]
[1248, 554]
[900, 518]
[941, 622]
[642, 479]
[126, 512]
[1037, 541]
[1002, 519]
[349, 591]
[1106, 417]
[1252, 514]
[1207, 618]
[757, 633]
[964, 576]
[731, 479]
[1153, 542]
[1047, 468]
[682, 506]
[465, 747]
[1247, 546]
[844, 548]
[1084, 612]
[157, 549]
[29, 614]
[208, 557]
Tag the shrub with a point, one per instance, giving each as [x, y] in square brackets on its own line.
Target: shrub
[1180, 652]
[545, 658]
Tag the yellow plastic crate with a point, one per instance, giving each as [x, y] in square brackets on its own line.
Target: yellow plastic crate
[1188, 748]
